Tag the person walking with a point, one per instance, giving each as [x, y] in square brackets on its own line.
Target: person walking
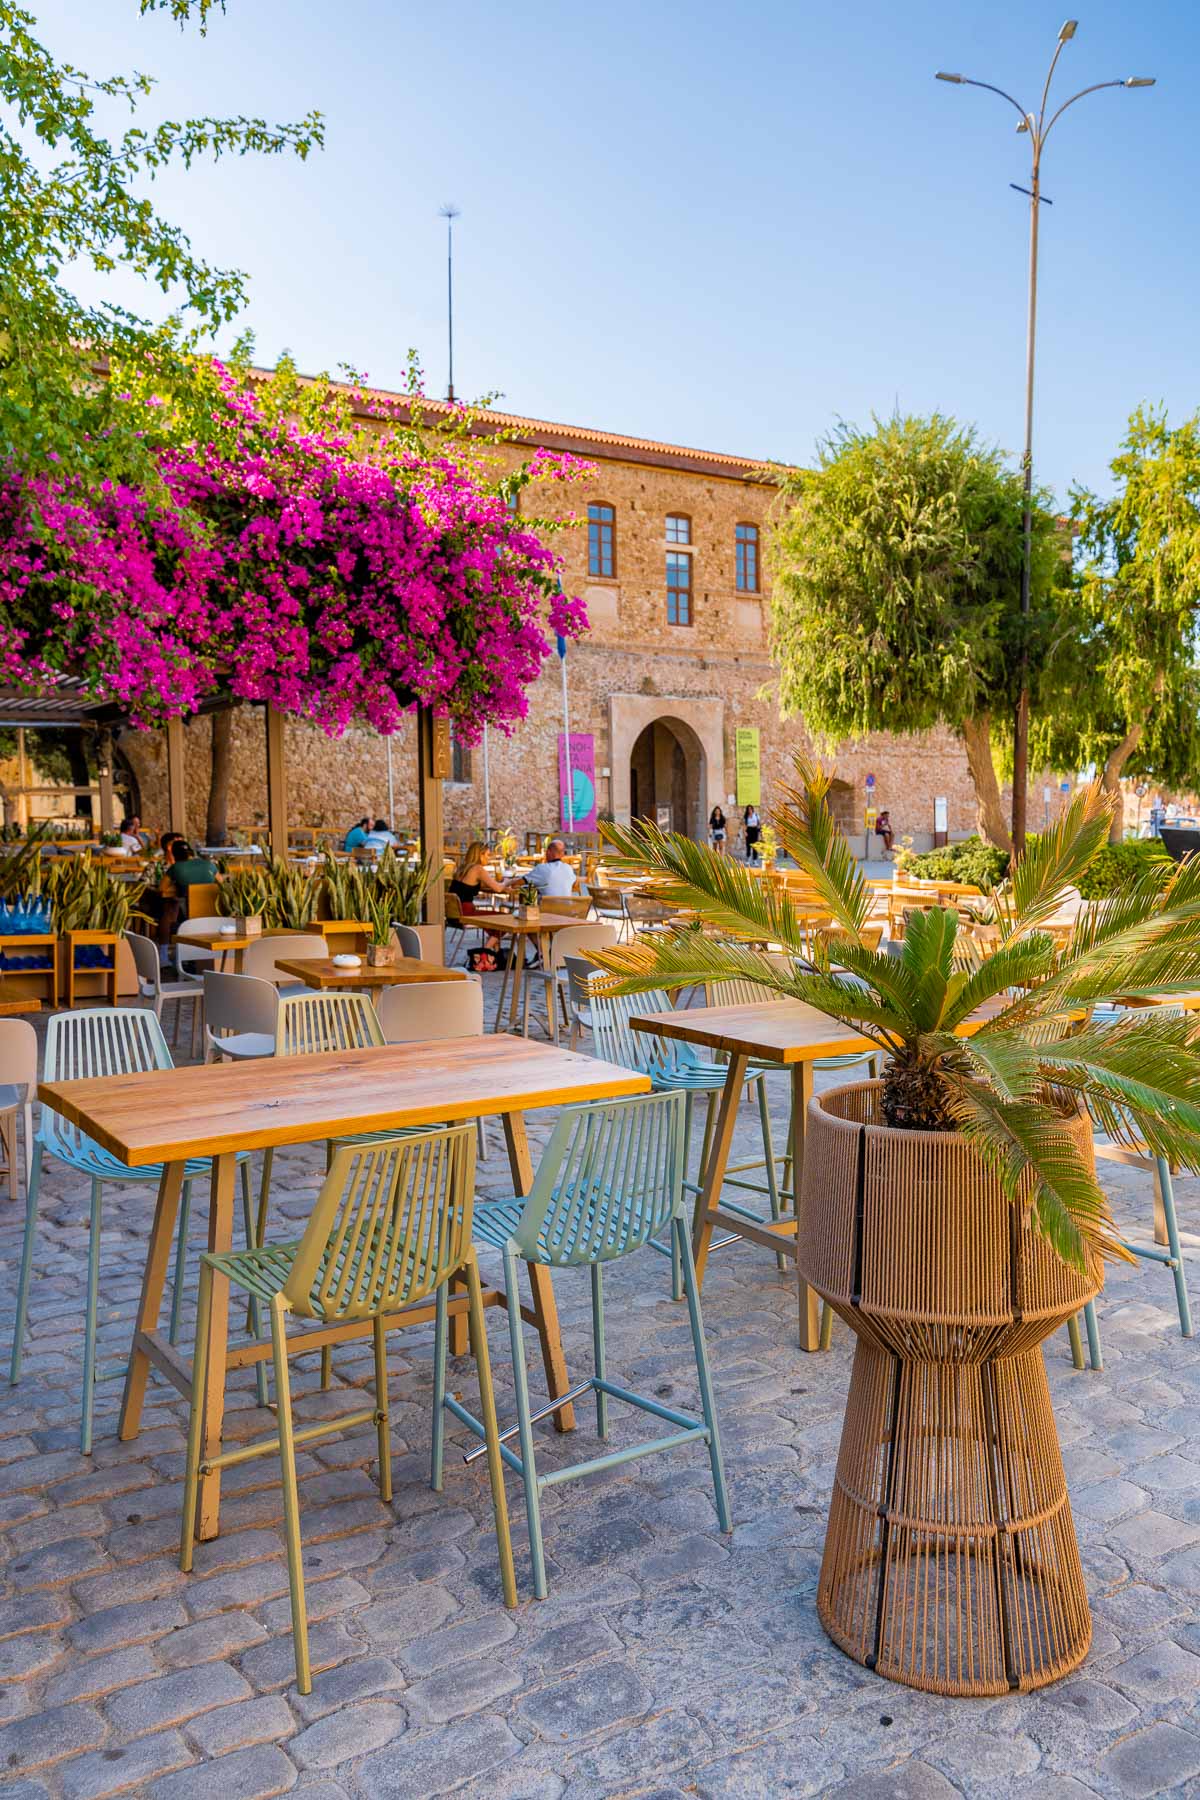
[718, 829]
[752, 826]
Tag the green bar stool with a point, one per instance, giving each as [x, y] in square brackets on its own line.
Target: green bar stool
[610, 1179]
[391, 1225]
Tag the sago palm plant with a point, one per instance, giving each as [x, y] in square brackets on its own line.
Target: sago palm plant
[1039, 1053]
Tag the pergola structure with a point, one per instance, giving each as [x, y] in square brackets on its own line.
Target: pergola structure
[69, 708]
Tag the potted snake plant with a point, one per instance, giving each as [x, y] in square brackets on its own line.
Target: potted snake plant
[950, 1211]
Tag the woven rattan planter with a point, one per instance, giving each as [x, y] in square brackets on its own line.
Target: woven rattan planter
[950, 1559]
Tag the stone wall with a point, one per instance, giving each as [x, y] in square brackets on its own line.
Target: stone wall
[632, 667]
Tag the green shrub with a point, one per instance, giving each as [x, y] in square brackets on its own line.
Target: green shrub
[1118, 863]
[973, 861]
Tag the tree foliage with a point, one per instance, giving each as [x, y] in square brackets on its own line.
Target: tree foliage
[1122, 683]
[895, 599]
[73, 197]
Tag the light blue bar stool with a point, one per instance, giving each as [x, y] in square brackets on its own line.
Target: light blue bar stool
[611, 1178]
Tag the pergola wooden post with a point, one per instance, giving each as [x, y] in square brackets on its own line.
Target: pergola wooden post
[277, 794]
[433, 767]
[176, 785]
[104, 761]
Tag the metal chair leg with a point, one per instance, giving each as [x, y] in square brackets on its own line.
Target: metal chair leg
[89, 1324]
[533, 1511]
[1166, 1189]
[764, 1116]
[31, 1201]
[291, 1495]
[441, 1332]
[1076, 1340]
[598, 1357]
[254, 1322]
[491, 1430]
[704, 1376]
[379, 1337]
[177, 1280]
[1093, 1335]
[191, 1475]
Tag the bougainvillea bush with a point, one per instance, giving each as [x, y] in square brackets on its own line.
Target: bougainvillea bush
[290, 566]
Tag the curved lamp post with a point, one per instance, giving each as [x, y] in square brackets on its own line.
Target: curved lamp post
[1038, 127]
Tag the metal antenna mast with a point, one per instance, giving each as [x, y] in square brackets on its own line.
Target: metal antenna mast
[450, 212]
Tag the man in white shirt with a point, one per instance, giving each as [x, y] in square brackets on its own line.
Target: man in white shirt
[554, 879]
[380, 837]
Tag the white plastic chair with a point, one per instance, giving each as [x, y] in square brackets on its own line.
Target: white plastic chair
[241, 1017]
[160, 993]
[572, 942]
[18, 1082]
[261, 958]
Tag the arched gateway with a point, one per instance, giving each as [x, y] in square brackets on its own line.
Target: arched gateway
[668, 760]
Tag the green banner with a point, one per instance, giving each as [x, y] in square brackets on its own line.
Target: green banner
[745, 757]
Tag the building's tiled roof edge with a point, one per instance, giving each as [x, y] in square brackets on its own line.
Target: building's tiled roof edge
[553, 434]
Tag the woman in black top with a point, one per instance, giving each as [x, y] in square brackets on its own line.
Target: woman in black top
[717, 829]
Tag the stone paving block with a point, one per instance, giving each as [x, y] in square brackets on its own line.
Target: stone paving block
[566, 1646]
[363, 1679]
[912, 1780]
[341, 1593]
[1151, 1534]
[654, 1748]
[471, 1638]
[174, 1698]
[603, 1694]
[1165, 1671]
[797, 1766]
[1151, 1762]
[97, 1675]
[464, 1687]
[246, 1587]
[23, 1657]
[123, 1769]
[260, 1721]
[67, 1560]
[986, 1756]
[424, 1764]
[48, 1737]
[415, 1612]
[33, 1612]
[352, 1731]
[153, 1580]
[272, 1665]
[115, 1626]
[255, 1774]
[1094, 1703]
[217, 1638]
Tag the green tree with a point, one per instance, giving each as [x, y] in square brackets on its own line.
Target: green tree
[1122, 686]
[72, 197]
[896, 589]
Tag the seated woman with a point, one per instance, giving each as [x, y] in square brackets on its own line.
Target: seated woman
[472, 877]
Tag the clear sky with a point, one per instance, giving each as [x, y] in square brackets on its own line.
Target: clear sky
[723, 225]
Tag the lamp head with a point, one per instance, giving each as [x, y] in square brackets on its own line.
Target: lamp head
[1138, 81]
[942, 76]
[1070, 27]
[1024, 125]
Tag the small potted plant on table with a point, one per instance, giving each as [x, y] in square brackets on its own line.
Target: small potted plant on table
[950, 1212]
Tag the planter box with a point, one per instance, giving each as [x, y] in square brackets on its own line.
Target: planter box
[381, 956]
[250, 926]
[950, 1559]
[70, 973]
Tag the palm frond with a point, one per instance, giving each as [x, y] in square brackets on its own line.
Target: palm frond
[678, 959]
[808, 832]
[718, 888]
[1056, 860]
[1019, 964]
[1140, 1077]
[1025, 1145]
[1005, 1061]
[927, 959]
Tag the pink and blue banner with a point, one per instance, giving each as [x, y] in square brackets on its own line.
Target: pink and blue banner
[583, 781]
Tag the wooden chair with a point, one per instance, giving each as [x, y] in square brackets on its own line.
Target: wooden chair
[18, 1084]
[610, 1180]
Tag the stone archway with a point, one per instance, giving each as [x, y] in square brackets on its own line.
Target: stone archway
[668, 753]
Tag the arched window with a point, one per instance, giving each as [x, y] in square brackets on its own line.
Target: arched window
[602, 539]
[746, 558]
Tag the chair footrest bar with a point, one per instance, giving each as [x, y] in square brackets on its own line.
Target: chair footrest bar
[228, 1459]
[508, 1457]
[544, 1412]
[1149, 1253]
[645, 1405]
[616, 1457]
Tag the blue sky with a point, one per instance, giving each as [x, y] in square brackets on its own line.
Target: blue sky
[722, 225]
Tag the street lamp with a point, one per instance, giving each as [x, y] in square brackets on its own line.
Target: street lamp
[1038, 128]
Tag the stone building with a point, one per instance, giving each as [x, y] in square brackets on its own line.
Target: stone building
[666, 545]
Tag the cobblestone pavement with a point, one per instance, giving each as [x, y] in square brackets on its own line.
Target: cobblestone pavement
[668, 1659]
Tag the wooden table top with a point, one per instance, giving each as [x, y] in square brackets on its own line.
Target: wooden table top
[510, 922]
[779, 1031]
[213, 938]
[323, 972]
[170, 1114]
